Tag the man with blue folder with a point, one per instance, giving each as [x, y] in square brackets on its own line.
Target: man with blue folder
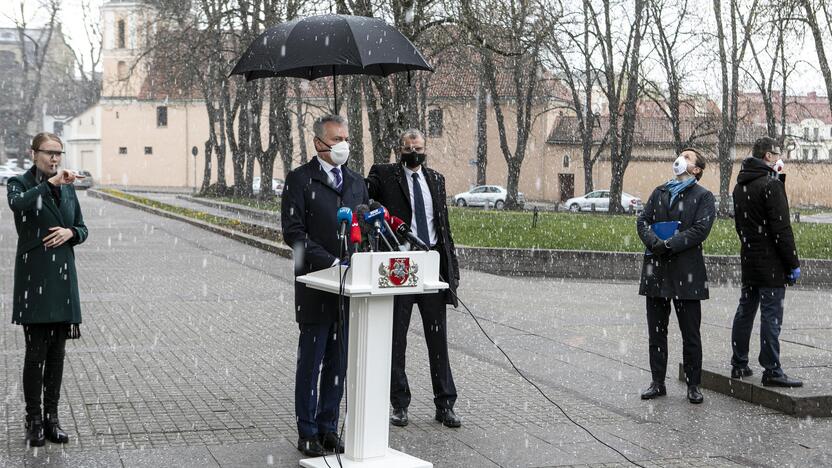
[675, 222]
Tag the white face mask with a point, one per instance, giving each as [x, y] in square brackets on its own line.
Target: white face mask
[680, 166]
[340, 152]
[778, 165]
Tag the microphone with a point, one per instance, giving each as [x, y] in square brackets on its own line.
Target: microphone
[355, 233]
[376, 218]
[401, 228]
[365, 229]
[387, 218]
[344, 219]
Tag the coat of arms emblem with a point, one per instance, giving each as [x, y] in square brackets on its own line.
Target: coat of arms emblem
[398, 272]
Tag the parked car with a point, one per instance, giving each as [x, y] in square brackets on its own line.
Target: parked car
[492, 195]
[600, 200]
[12, 163]
[86, 182]
[277, 185]
[7, 172]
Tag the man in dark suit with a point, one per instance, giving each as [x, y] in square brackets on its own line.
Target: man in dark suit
[416, 194]
[769, 261]
[674, 269]
[311, 198]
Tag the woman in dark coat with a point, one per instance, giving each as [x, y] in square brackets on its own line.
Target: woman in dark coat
[674, 269]
[49, 224]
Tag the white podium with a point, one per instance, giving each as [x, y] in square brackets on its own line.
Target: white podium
[371, 282]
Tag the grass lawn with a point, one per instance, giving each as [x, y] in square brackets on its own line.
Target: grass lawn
[268, 205]
[568, 231]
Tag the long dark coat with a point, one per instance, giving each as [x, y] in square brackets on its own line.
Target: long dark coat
[45, 280]
[680, 273]
[308, 214]
[762, 221]
[387, 185]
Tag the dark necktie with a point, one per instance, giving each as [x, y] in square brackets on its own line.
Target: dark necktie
[419, 211]
[337, 173]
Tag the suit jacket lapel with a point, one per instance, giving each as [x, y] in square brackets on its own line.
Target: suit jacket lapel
[46, 201]
[400, 176]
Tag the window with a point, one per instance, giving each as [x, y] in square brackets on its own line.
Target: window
[148, 150]
[806, 133]
[816, 133]
[480, 189]
[58, 128]
[566, 160]
[162, 116]
[805, 153]
[815, 153]
[435, 124]
[121, 35]
[122, 70]
[122, 150]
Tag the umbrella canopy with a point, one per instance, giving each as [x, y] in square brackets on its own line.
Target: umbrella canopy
[328, 45]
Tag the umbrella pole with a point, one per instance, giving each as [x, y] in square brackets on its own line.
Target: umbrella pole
[335, 92]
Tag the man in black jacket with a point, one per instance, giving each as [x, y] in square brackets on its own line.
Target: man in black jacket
[674, 269]
[769, 261]
[416, 194]
[311, 198]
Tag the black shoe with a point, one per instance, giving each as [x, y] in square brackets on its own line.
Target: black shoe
[34, 431]
[654, 390]
[448, 417]
[740, 372]
[694, 395]
[311, 447]
[332, 443]
[53, 431]
[781, 381]
[399, 417]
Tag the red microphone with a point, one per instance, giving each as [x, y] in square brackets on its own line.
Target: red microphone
[355, 232]
[402, 229]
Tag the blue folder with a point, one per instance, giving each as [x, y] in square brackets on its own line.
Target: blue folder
[665, 229]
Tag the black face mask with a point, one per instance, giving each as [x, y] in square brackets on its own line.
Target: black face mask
[413, 159]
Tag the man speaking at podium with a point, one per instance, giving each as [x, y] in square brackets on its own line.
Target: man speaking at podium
[311, 200]
[416, 194]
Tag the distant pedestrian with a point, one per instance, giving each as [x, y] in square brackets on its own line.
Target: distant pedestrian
[769, 261]
[674, 268]
[49, 225]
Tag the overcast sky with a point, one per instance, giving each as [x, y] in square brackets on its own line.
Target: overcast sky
[806, 79]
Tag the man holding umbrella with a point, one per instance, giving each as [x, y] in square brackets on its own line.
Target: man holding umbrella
[311, 198]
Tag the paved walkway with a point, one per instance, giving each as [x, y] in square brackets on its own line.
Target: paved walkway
[188, 355]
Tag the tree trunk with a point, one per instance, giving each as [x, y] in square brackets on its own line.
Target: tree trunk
[356, 124]
[817, 35]
[301, 116]
[482, 132]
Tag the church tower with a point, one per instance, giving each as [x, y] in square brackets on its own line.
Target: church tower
[127, 28]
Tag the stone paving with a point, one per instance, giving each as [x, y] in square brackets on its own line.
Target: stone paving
[188, 351]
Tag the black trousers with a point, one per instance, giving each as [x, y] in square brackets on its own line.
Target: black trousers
[770, 302]
[432, 308]
[43, 366]
[689, 313]
[319, 378]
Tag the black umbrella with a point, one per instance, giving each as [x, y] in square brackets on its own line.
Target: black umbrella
[329, 45]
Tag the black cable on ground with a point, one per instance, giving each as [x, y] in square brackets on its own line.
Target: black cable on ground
[520, 373]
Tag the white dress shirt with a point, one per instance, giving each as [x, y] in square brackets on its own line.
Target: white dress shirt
[423, 184]
[328, 169]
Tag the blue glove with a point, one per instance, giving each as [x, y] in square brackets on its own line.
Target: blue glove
[794, 275]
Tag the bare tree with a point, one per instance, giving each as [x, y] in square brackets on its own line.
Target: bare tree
[579, 78]
[731, 55]
[34, 47]
[812, 9]
[621, 90]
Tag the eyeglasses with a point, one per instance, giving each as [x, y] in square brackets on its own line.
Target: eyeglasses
[52, 154]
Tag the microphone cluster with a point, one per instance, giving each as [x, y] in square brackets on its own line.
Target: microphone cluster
[371, 228]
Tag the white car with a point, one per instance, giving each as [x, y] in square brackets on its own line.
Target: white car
[277, 185]
[600, 200]
[7, 172]
[492, 195]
